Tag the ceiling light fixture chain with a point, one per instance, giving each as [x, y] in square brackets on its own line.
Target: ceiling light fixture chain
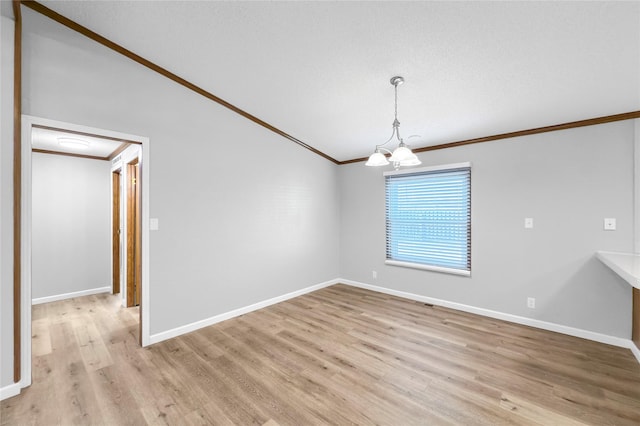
[395, 83]
[402, 155]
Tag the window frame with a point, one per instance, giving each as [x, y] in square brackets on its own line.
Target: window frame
[423, 266]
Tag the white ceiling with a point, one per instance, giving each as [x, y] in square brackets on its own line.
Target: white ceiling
[320, 70]
[48, 140]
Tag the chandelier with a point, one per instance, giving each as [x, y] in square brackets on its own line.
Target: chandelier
[402, 155]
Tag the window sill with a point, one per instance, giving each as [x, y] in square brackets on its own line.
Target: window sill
[428, 267]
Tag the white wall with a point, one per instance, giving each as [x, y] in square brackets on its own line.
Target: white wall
[235, 229]
[566, 181]
[71, 225]
[6, 201]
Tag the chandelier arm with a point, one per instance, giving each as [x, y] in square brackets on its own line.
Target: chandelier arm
[397, 129]
[390, 137]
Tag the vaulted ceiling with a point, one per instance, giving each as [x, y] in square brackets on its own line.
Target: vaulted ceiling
[320, 71]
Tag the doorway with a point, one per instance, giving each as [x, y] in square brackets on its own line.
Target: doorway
[24, 320]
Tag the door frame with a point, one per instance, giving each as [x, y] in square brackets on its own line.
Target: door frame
[28, 122]
[132, 219]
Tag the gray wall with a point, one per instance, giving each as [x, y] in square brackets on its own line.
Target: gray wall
[567, 181]
[6, 202]
[70, 225]
[245, 215]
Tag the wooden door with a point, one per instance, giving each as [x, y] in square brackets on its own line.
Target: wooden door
[134, 246]
[115, 241]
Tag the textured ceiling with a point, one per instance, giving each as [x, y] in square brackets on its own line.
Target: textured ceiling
[320, 71]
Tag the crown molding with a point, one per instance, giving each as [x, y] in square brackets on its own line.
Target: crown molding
[553, 128]
[69, 154]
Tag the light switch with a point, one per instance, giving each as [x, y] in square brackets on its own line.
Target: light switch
[609, 224]
[153, 224]
[528, 222]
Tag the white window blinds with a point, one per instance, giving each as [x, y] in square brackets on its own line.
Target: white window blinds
[429, 218]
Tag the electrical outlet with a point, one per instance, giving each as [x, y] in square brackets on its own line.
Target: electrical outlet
[531, 302]
[528, 222]
[610, 224]
[375, 275]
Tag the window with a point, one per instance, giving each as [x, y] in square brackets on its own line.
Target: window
[429, 218]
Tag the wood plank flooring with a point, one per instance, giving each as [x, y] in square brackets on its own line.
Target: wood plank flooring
[337, 356]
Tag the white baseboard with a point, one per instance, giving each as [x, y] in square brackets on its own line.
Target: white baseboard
[14, 389]
[571, 331]
[174, 332]
[544, 325]
[64, 296]
[9, 391]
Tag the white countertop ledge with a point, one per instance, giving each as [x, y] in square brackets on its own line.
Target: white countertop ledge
[627, 265]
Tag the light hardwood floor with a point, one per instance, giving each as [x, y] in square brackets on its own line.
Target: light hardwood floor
[339, 356]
